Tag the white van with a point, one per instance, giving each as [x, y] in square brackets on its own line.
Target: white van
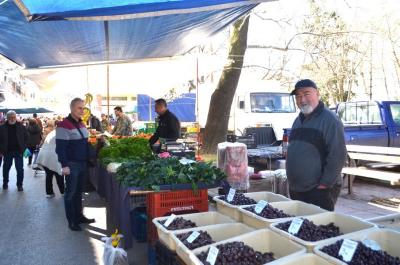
[261, 104]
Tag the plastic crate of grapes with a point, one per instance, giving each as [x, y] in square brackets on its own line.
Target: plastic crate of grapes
[387, 239]
[217, 233]
[232, 210]
[305, 259]
[293, 208]
[263, 240]
[348, 225]
[200, 219]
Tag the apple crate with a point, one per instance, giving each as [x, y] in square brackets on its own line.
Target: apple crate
[348, 225]
[217, 232]
[263, 240]
[232, 210]
[387, 239]
[295, 208]
[201, 219]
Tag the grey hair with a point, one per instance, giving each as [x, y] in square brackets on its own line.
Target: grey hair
[11, 113]
[74, 101]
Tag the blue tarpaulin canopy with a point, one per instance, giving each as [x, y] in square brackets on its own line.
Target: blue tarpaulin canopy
[48, 33]
[184, 107]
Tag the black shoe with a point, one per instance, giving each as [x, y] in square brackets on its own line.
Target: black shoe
[75, 227]
[20, 188]
[5, 187]
[85, 220]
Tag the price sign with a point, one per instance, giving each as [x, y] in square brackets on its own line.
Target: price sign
[192, 237]
[212, 255]
[169, 220]
[260, 206]
[347, 249]
[372, 244]
[295, 226]
[231, 194]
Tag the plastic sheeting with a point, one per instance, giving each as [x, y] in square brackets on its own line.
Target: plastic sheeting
[54, 43]
[61, 9]
[183, 107]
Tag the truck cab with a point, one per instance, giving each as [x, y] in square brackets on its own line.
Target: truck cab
[372, 123]
[262, 104]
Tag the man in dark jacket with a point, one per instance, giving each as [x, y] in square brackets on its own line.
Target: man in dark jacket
[13, 138]
[316, 151]
[169, 126]
[94, 123]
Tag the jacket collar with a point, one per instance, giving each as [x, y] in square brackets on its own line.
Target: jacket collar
[71, 119]
[314, 113]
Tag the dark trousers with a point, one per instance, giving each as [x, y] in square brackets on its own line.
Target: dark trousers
[324, 198]
[49, 181]
[32, 150]
[73, 191]
[19, 166]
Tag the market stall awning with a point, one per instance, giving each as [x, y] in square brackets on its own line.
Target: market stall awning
[46, 33]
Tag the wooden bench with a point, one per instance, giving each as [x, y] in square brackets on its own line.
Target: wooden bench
[390, 155]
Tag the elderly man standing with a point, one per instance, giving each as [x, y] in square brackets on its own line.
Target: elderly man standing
[316, 151]
[72, 151]
[13, 138]
[123, 127]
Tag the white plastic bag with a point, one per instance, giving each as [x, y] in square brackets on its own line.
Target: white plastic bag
[113, 255]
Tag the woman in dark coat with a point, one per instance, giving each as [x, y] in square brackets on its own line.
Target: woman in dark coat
[34, 139]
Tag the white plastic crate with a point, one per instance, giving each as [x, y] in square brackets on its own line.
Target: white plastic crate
[295, 208]
[348, 225]
[388, 240]
[201, 219]
[263, 240]
[218, 233]
[305, 259]
[232, 210]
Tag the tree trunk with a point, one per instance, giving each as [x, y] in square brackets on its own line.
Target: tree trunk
[221, 100]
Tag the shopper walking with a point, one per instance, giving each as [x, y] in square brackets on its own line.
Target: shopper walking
[48, 159]
[13, 138]
[316, 151]
[72, 151]
[34, 138]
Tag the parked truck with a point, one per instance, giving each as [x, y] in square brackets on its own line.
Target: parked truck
[372, 123]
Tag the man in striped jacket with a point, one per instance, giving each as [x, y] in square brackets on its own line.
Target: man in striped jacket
[72, 151]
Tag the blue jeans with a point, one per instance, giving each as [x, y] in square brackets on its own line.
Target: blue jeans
[19, 167]
[73, 191]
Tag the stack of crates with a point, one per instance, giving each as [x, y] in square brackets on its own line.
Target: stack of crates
[161, 204]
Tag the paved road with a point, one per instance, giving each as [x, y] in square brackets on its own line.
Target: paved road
[33, 228]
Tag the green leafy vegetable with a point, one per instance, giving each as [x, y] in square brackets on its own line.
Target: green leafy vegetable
[169, 171]
[126, 149]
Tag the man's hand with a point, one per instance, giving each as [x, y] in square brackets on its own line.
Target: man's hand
[65, 171]
[322, 187]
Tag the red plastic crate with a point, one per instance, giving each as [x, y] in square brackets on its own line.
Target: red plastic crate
[178, 202]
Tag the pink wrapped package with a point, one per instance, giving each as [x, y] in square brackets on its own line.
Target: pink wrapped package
[236, 165]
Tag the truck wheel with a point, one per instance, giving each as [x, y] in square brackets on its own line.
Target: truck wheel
[349, 163]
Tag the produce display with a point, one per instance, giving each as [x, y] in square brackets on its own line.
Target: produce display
[362, 255]
[203, 239]
[125, 149]
[179, 223]
[239, 199]
[168, 171]
[238, 253]
[269, 212]
[312, 232]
